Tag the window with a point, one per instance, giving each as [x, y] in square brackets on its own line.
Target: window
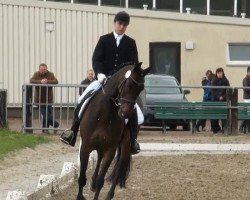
[170, 5]
[238, 54]
[113, 3]
[60, 0]
[87, 1]
[222, 7]
[197, 6]
[139, 4]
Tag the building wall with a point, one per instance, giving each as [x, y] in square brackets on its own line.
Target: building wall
[25, 43]
[68, 49]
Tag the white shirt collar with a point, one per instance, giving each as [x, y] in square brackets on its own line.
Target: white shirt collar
[116, 35]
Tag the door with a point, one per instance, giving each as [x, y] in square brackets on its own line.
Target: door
[165, 58]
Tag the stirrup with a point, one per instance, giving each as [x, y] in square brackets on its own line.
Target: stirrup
[64, 141]
[65, 131]
[63, 135]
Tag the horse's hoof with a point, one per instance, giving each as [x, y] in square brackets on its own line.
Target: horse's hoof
[93, 188]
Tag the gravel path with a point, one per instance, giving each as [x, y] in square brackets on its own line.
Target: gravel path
[22, 169]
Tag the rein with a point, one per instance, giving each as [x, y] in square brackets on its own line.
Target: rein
[119, 98]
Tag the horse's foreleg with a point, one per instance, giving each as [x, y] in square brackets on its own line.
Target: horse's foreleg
[84, 158]
[93, 184]
[106, 161]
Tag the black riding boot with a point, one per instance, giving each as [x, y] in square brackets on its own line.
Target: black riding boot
[133, 127]
[201, 123]
[243, 127]
[71, 138]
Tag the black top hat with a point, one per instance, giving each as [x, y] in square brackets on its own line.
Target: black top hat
[122, 17]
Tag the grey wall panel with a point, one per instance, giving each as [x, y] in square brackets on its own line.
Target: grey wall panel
[10, 55]
[5, 48]
[16, 74]
[1, 49]
[36, 38]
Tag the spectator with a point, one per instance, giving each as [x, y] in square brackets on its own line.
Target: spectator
[90, 78]
[219, 94]
[44, 95]
[207, 96]
[244, 127]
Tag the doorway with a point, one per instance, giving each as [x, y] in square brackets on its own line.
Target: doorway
[165, 58]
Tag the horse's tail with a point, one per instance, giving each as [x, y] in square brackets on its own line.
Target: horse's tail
[122, 164]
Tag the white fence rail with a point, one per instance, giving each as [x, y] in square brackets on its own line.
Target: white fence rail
[64, 100]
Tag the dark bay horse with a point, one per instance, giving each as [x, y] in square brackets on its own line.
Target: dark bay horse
[103, 129]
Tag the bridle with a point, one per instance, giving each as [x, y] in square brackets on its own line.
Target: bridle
[117, 100]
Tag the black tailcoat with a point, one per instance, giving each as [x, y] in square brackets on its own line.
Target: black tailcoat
[107, 56]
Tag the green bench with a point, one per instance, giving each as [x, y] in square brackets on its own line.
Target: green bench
[243, 111]
[189, 111]
[244, 114]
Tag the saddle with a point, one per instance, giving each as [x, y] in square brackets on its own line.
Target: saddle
[84, 102]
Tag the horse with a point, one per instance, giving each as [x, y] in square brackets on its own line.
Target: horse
[103, 128]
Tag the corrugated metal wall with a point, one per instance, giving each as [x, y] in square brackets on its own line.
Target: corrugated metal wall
[24, 44]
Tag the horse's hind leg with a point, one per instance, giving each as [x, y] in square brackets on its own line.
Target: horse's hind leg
[106, 161]
[94, 177]
[84, 158]
[121, 168]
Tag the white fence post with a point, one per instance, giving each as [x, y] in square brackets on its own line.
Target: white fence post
[154, 4]
[235, 7]
[208, 7]
[181, 6]
[126, 3]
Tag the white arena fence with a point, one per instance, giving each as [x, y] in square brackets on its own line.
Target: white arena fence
[65, 97]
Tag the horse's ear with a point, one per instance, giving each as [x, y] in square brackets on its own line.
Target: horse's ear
[146, 71]
[138, 65]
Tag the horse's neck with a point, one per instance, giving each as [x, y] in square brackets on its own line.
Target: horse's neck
[111, 87]
[115, 80]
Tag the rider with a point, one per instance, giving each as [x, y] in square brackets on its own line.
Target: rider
[111, 51]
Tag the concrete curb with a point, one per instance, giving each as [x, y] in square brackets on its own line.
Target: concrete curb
[48, 184]
[194, 147]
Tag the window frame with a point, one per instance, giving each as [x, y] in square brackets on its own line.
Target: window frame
[238, 62]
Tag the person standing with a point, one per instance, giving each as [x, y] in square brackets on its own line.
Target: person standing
[219, 94]
[111, 52]
[207, 96]
[244, 127]
[89, 79]
[44, 95]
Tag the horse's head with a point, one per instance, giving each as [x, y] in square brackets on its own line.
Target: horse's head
[131, 84]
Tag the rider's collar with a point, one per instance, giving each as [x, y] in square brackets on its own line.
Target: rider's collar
[116, 35]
